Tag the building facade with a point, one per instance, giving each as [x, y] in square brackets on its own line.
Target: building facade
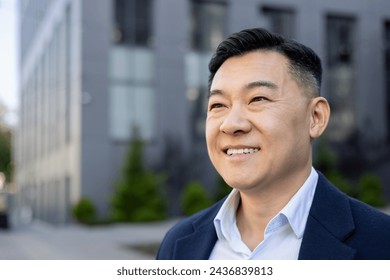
[93, 70]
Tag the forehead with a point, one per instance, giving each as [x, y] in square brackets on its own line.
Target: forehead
[256, 65]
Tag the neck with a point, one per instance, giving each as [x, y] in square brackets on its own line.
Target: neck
[257, 208]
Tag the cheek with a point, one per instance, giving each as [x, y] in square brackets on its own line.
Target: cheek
[274, 123]
[292, 118]
[287, 127]
[211, 131]
[299, 133]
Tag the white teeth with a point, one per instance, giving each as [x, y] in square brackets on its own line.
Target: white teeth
[241, 151]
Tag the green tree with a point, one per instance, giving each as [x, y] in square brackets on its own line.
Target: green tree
[194, 198]
[138, 197]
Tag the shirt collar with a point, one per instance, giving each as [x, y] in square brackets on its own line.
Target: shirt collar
[297, 209]
[226, 216]
[295, 213]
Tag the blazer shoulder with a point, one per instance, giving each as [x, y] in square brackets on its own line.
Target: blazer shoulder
[372, 231]
[337, 220]
[363, 215]
[369, 217]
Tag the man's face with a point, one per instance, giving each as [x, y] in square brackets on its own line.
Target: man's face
[258, 122]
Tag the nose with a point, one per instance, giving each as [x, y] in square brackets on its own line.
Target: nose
[236, 122]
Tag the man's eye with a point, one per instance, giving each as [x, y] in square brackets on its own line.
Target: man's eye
[258, 99]
[215, 106]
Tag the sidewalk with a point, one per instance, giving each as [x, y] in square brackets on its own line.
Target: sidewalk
[40, 241]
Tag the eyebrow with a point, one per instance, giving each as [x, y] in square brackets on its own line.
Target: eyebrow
[251, 85]
[256, 84]
[215, 92]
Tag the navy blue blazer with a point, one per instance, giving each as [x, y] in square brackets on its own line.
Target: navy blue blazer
[338, 228]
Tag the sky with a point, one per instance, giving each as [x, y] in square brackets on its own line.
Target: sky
[8, 59]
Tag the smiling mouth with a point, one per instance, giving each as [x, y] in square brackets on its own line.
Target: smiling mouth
[244, 151]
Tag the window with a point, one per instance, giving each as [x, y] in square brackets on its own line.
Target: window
[199, 98]
[387, 71]
[131, 92]
[132, 22]
[131, 71]
[340, 40]
[131, 108]
[208, 29]
[280, 21]
[207, 24]
[68, 60]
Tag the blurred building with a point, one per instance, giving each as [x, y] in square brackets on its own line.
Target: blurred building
[92, 70]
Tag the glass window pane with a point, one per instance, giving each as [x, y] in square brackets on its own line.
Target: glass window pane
[144, 65]
[281, 21]
[121, 111]
[196, 69]
[387, 73]
[132, 22]
[207, 24]
[144, 111]
[121, 63]
[130, 107]
[340, 42]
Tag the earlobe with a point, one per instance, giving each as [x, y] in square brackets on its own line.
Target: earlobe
[320, 113]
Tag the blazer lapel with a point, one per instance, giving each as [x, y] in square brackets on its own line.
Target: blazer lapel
[329, 224]
[320, 244]
[199, 244]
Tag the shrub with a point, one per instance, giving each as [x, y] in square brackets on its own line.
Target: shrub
[138, 197]
[341, 182]
[370, 190]
[325, 158]
[223, 189]
[84, 211]
[6, 155]
[194, 198]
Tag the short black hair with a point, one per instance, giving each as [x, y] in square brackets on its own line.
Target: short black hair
[305, 65]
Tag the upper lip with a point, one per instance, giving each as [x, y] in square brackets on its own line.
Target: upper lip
[226, 148]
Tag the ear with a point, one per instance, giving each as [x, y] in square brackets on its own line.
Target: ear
[320, 113]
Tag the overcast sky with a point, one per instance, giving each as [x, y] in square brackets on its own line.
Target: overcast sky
[8, 58]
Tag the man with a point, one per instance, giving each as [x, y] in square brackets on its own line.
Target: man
[264, 111]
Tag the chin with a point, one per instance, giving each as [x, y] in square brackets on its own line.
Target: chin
[238, 183]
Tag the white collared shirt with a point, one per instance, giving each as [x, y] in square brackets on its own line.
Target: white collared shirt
[282, 236]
